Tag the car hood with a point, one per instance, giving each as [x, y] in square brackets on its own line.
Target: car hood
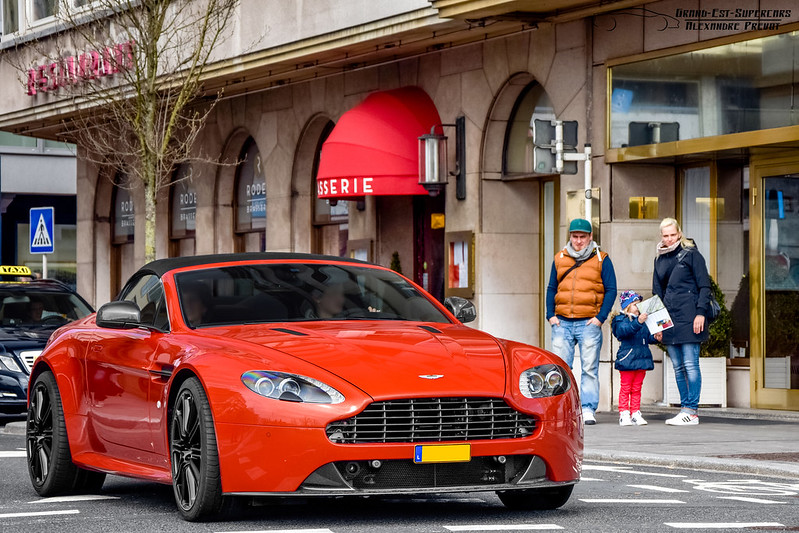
[391, 359]
[29, 334]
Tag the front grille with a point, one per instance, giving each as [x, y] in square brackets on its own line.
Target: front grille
[28, 357]
[432, 420]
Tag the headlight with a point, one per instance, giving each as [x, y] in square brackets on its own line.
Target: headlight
[10, 363]
[542, 381]
[290, 387]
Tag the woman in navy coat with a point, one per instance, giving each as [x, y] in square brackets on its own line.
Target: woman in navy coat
[682, 282]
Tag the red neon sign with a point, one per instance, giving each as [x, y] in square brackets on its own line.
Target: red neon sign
[80, 68]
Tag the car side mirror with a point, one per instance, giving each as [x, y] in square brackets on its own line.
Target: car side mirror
[463, 309]
[119, 315]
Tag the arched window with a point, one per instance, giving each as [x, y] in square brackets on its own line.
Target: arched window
[533, 103]
[331, 218]
[251, 196]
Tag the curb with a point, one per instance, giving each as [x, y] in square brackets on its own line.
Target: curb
[14, 428]
[739, 466]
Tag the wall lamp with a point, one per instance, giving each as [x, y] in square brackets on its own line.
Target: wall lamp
[433, 159]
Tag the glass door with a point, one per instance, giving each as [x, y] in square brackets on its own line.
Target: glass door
[775, 293]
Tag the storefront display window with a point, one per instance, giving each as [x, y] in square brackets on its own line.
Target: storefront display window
[459, 264]
[124, 213]
[250, 191]
[732, 88]
[183, 204]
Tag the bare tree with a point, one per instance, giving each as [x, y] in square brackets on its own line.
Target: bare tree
[134, 71]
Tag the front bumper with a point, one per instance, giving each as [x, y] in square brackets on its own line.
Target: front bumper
[263, 461]
[13, 392]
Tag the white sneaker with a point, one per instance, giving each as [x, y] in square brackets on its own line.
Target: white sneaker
[588, 417]
[638, 419]
[624, 418]
[683, 419]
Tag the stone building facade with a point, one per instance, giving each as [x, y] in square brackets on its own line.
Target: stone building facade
[498, 67]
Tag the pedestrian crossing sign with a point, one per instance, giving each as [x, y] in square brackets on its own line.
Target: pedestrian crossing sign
[42, 239]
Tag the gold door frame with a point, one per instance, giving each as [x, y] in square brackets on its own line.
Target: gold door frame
[761, 167]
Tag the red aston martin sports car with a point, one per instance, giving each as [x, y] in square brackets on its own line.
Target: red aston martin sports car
[264, 374]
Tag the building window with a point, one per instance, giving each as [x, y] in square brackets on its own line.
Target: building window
[41, 9]
[10, 16]
[533, 103]
[732, 88]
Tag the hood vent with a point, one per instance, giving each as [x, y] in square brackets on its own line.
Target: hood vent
[291, 332]
[431, 329]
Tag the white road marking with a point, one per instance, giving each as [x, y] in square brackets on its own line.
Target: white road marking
[590, 479]
[627, 500]
[40, 513]
[656, 488]
[502, 527]
[6, 454]
[749, 487]
[721, 525]
[750, 500]
[627, 470]
[76, 498]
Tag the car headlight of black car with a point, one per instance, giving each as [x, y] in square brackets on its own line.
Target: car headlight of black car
[9, 363]
[290, 387]
[542, 381]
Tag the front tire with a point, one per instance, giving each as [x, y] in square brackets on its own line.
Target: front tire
[50, 463]
[196, 479]
[536, 499]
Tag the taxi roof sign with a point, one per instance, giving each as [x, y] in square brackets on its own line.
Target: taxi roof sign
[15, 270]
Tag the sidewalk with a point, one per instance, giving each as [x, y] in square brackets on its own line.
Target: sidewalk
[752, 441]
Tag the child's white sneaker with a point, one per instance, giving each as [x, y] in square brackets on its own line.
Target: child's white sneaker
[625, 419]
[638, 419]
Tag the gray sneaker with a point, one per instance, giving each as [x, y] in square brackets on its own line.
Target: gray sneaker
[588, 417]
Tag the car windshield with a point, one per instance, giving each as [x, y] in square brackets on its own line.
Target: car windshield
[242, 294]
[32, 308]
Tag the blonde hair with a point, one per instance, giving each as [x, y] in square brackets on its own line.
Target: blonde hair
[666, 222]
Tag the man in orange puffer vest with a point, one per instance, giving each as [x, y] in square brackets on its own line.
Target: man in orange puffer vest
[580, 295]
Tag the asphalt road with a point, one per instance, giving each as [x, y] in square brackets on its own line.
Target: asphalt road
[611, 497]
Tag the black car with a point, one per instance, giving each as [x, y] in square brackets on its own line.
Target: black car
[30, 311]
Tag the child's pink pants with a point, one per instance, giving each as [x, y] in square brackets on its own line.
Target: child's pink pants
[630, 392]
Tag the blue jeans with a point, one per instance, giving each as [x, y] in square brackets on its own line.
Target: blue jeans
[685, 359]
[565, 337]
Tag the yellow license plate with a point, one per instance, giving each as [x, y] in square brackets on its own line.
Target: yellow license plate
[442, 453]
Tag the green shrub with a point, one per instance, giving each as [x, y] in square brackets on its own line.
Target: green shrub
[718, 345]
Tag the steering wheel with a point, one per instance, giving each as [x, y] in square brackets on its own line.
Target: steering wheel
[54, 319]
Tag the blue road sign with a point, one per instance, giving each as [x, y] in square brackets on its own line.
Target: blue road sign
[42, 239]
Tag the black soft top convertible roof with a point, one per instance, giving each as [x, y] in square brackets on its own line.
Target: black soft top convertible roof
[161, 266]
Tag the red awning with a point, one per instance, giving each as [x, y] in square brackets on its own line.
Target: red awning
[374, 148]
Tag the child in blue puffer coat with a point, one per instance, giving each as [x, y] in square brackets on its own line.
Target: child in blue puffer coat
[633, 358]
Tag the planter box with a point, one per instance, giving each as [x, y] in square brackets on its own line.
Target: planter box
[714, 382]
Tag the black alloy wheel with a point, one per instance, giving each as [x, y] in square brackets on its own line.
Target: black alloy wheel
[196, 479]
[50, 463]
